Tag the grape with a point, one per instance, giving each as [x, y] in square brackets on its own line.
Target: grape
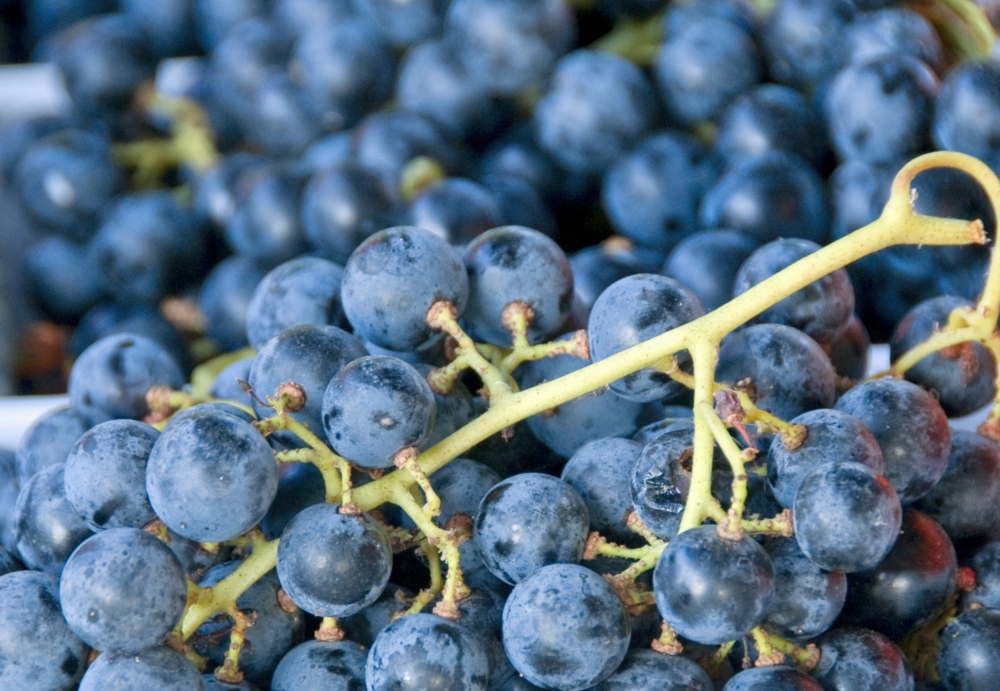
[393, 278]
[46, 528]
[831, 436]
[572, 424]
[455, 209]
[771, 679]
[364, 626]
[404, 23]
[61, 278]
[226, 384]
[565, 628]
[596, 106]
[374, 408]
[893, 31]
[807, 599]
[452, 411]
[300, 485]
[528, 521]
[707, 263]
[821, 310]
[914, 579]
[788, 370]
[713, 589]
[964, 380]
[266, 227]
[660, 479]
[308, 355]
[211, 477]
[635, 309]
[849, 353]
[321, 666]
[213, 684]
[224, 299]
[771, 117]
[37, 649]
[707, 46]
[424, 651]
[115, 373]
[964, 501]
[911, 429]
[212, 408]
[965, 116]
[600, 471]
[105, 475]
[343, 205]
[274, 632]
[985, 564]
[333, 564]
[510, 264]
[646, 670]
[305, 290]
[8, 562]
[50, 438]
[122, 591]
[155, 669]
[969, 657]
[847, 517]
[852, 658]
[797, 55]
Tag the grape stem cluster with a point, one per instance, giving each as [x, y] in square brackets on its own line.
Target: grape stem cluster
[717, 408]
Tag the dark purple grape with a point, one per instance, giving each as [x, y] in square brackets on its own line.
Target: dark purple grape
[305, 290]
[110, 318]
[424, 651]
[985, 564]
[831, 436]
[513, 263]
[363, 627]
[224, 299]
[61, 278]
[707, 263]
[105, 475]
[528, 521]
[297, 16]
[907, 587]
[565, 628]
[707, 46]
[211, 477]
[226, 384]
[267, 226]
[713, 589]
[660, 479]
[37, 649]
[770, 196]
[893, 31]
[600, 471]
[393, 278]
[911, 429]
[9, 489]
[770, 117]
[598, 266]
[789, 371]
[859, 95]
[65, 180]
[651, 194]
[46, 528]
[969, 657]
[321, 666]
[572, 424]
[849, 353]
[345, 69]
[404, 23]
[647, 670]
[512, 44]
[51, 437]
[796, 53]
[596, 106]
[853, 658]
[771, 679]
[115, 373]
[456, 209]
[276, 628]
[635, 309]
[821, 310]
[965, 114]
[375, 407]
[308, 355]
[807, 599]
[342, 205]
[964, 502]
[964, 376]
[122, 591]
[847, 517]
[158, 668]
[333, 564]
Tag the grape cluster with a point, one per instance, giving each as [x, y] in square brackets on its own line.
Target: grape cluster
[494, 345]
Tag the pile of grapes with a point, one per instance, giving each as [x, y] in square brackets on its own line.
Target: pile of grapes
[472, 345]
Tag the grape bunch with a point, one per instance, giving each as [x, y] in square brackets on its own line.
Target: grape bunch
[493, 345]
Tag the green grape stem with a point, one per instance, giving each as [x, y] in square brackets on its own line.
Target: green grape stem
[898, 224]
